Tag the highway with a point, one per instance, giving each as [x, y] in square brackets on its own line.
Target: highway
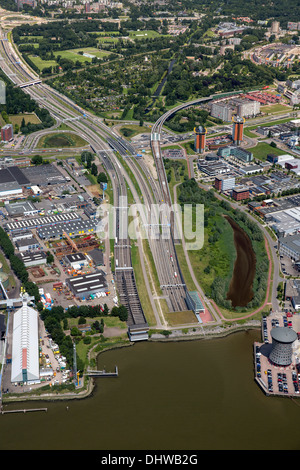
[64, 110]
[102, 138]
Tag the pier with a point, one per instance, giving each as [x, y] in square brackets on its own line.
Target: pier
[102, 373]
[3, 412]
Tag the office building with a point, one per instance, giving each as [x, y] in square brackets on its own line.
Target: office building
[224, 183]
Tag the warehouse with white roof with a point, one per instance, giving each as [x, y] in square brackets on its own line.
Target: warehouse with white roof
[88, 284]
[25, 346]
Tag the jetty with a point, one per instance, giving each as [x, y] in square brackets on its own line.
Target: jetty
[3, 412]
[102, 373]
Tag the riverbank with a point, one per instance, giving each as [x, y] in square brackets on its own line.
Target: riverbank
[175, 336]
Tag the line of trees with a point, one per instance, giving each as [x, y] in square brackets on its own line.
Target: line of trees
[17, 265]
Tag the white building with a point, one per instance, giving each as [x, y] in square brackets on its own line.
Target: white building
[25, 345]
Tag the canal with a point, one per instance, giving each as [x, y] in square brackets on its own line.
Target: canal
[240, 290]
[160, 86]
[189, 395]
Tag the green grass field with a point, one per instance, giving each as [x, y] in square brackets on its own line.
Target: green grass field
[147, 34]
[40, 63]
[62, 139]
[87, 50]
[275, 108]
[71, 54]
[17, 119]
[261, 150]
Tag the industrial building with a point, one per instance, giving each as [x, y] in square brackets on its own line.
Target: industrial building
[290, 246]
[33, 259]
[285, 222]
[278, 159]
[249, 170]
[21, 209]
[40, 222]
[72, 228]
[27, 244]
[282, 342]
[12, 181]
[15, 236]
[292, 292]
[88, 284]
[96, 256]
[76, 260]
[25, 346]
[44, 175]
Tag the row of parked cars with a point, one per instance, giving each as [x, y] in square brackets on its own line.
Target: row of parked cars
[282, 382]
[287, 322]
[270, 380]
[265, 329]
[296, 381]
[257, 360]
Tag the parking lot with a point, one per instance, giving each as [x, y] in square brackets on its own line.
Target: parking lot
[275, 379]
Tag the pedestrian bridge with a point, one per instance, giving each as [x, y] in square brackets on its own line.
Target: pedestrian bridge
[34, 82]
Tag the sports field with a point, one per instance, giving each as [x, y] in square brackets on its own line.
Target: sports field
[147, 34]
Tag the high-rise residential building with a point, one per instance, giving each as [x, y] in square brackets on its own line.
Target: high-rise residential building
[7, 133]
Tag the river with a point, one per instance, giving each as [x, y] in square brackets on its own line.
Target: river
[189, 395]
[240, 290]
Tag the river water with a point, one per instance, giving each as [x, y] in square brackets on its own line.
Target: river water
[189, 395]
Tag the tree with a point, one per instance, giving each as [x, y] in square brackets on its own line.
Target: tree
[94, 169]
[50, 258]
[37, 160]
[102, 178]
